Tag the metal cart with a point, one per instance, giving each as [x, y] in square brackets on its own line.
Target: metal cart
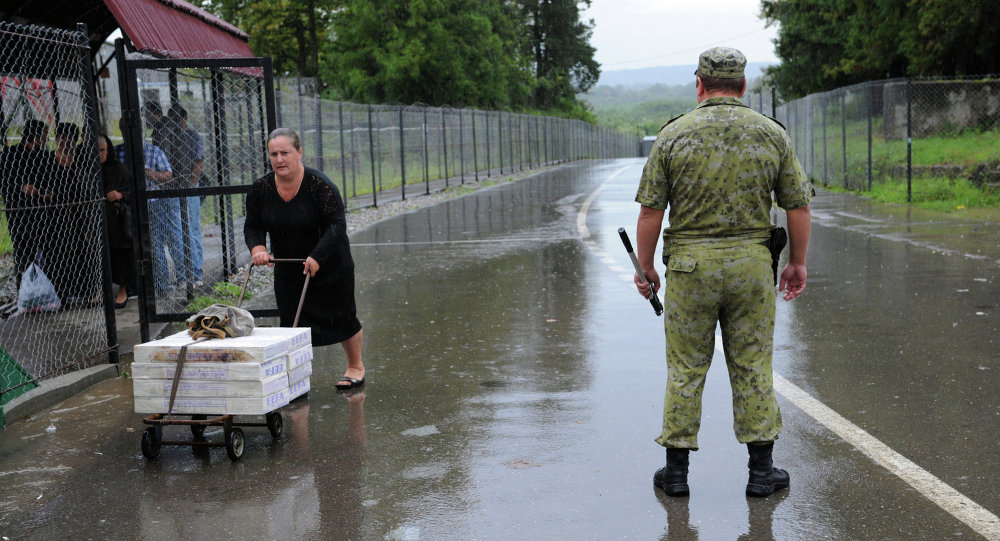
[233, 440]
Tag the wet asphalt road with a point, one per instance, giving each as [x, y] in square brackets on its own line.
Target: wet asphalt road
[515, 386]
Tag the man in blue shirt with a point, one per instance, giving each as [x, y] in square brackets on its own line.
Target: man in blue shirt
[186, 153]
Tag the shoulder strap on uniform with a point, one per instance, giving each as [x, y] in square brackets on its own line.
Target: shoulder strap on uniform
[669, 121]
[778, 122]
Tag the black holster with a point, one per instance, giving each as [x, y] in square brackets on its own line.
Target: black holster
[775, 244]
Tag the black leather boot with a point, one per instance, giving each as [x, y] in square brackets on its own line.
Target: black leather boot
[672, 479]
[764, 477]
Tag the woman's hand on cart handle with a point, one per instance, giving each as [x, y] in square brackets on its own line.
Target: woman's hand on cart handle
[310, 267]
[259, 256]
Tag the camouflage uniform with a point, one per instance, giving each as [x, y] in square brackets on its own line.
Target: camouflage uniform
[715, 168]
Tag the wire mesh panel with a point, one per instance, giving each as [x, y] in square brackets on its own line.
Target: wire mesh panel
[52, 240]
[905, 130]
[955, 126]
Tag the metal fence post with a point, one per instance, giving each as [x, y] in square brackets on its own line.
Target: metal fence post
[343, 161]
[378, 146]
[826, 179]
[319, 134]
[371, 154]
[277, 106]
[510, 139]
[475, 149]
[545, 138]
[488, 161]
[500, 139]
[402, 155]
[444, 146]
[427, 166]
[520, 141]
[868, 108]
[461, 148]
[843, 133]
[302, 119]
[909, 140]
[354, 156]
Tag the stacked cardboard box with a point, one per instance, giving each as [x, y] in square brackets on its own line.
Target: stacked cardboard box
[248, 375]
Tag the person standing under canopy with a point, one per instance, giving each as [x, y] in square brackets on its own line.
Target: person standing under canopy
[302, 212]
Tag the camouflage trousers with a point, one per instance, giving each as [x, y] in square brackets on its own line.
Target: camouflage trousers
[732, 286]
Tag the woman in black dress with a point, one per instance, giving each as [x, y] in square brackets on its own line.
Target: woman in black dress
[302, 211]
[116, 190]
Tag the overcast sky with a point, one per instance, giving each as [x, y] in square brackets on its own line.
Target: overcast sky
[631, 34]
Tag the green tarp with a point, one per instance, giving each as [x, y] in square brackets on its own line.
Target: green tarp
[14, 381]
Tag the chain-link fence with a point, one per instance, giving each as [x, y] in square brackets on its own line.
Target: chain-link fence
[375, 152]
[53, 317]
[895, 129]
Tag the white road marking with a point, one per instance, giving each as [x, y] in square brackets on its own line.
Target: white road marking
[954, 502]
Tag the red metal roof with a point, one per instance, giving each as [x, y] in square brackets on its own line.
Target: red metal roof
[177, 29]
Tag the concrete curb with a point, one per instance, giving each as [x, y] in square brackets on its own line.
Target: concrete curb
[53, 391]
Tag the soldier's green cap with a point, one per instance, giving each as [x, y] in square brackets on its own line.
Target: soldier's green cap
[721, 62]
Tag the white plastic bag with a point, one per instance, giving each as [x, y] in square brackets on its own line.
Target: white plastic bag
[36, 293]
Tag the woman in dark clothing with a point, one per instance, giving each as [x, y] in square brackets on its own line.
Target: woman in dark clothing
[116, 189]
[302, 211]
[74, 256]
[27, 167]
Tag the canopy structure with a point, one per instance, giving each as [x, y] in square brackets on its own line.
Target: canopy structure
[163, 28]
[176, 29]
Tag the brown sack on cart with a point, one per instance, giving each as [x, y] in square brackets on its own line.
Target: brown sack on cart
[220, 321]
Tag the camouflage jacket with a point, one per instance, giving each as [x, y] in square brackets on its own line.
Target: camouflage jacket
[716, 167]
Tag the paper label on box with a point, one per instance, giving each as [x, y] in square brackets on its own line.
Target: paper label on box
[296, 337]
[264, 343]
[299, 373]
[212, 388]
[212, 371]
[298, 389]
[299, 356]
[216, 405]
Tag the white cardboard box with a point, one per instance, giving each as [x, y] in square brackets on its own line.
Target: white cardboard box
[300, 356]
[212, 371]
[220, 388]
[299, 373]
[214, 405]
[298, 389]
[262, 344]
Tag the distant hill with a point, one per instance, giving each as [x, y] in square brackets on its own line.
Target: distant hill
[666, 75]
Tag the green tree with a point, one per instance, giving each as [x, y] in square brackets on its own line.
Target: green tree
[439, 52]
[950, 37]
[561, 53]
[291, 32]
[871, 50]
[825, 44]
[811, 44]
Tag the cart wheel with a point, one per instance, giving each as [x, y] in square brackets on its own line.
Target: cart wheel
[151, 442]
[234, 444]
[198, 430]
[274, 423]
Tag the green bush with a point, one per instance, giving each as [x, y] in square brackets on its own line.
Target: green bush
[223, 293]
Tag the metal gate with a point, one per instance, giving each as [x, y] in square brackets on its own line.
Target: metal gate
[195, 139]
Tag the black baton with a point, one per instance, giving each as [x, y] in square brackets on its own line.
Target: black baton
[653, 299]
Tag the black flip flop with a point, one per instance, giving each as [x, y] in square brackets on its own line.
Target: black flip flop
[353, 383]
